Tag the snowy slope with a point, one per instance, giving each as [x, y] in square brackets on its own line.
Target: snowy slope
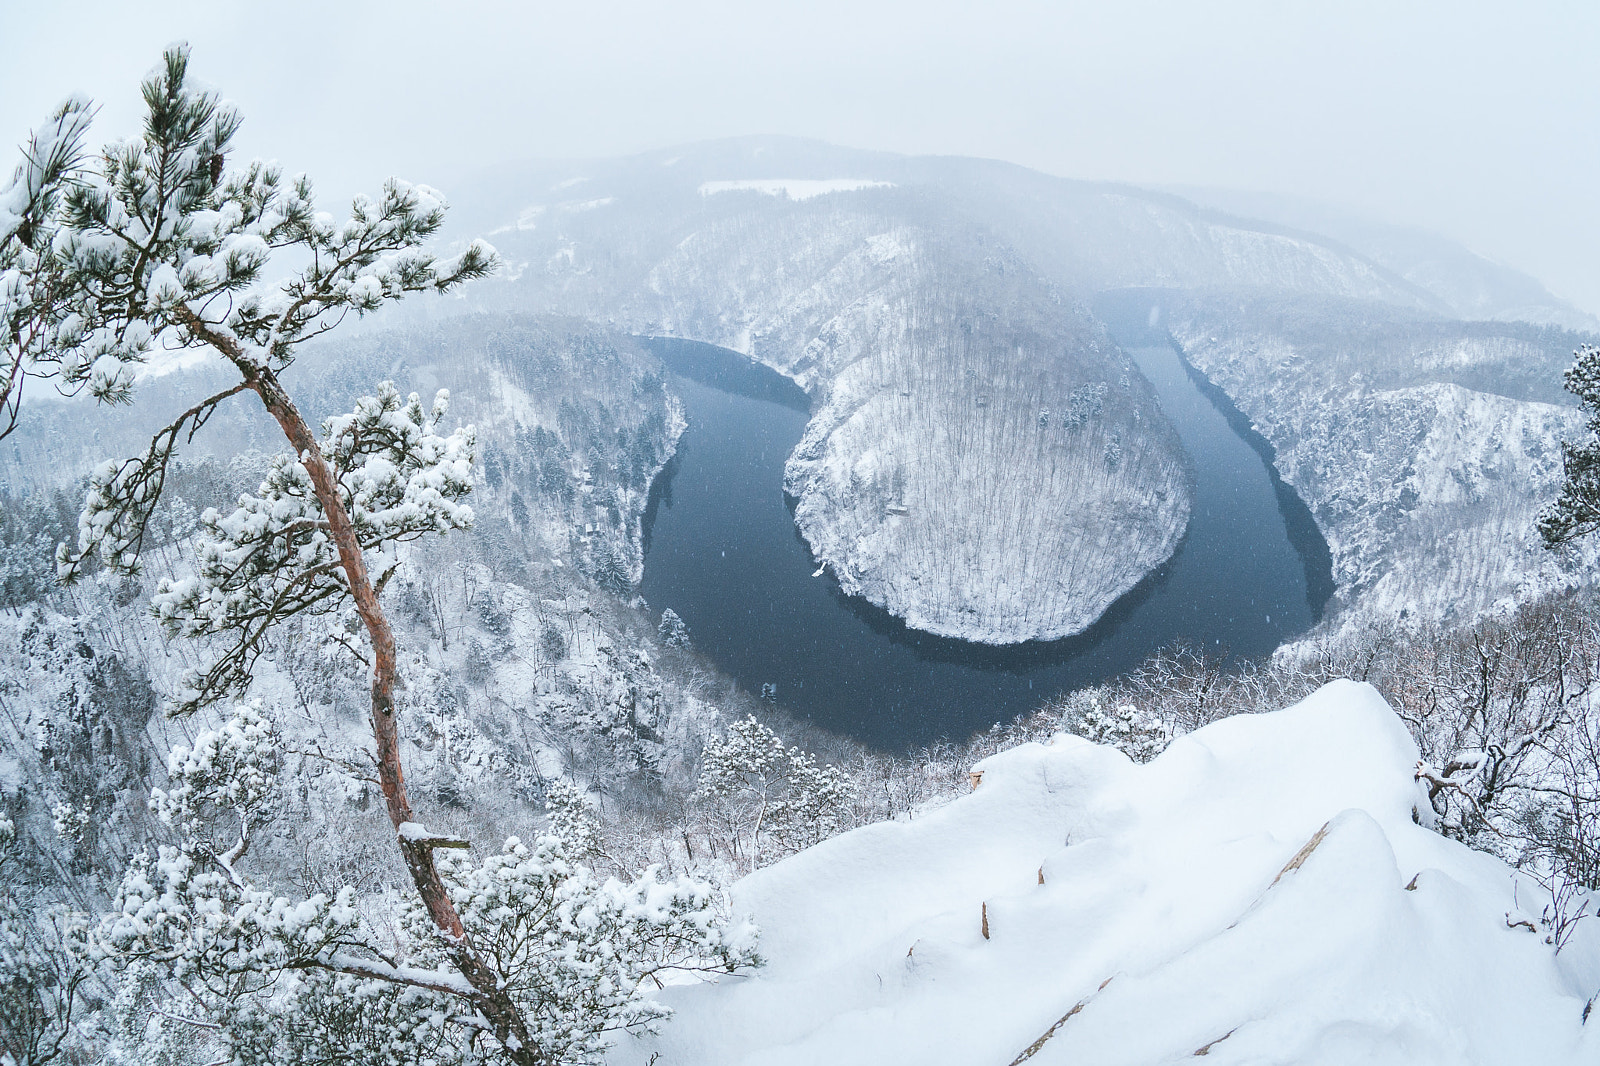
[1424, 448]
[1471, 285]
[1146, 914]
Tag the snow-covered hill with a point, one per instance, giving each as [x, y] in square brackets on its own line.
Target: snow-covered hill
[982, 461]
[1086, 235]
[1423, 447]
[1262, 892]
[1471, 285]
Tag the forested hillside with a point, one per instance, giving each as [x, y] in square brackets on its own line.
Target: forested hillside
[1424, 447]
[976, 437]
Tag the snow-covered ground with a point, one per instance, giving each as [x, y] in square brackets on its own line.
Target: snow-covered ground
[1262, 892]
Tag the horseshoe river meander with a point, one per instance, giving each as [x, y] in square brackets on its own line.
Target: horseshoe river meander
[723, 552]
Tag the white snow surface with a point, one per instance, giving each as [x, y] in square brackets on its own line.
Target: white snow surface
[1166, 910]
[793, 188]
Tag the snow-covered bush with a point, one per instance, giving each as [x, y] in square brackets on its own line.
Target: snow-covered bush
[1138, 735]
[552, 645]
[571, 820]
[769, 794]
[45, 970]
[71, 820]
[574, 951]
[273, 979]
[230, 769]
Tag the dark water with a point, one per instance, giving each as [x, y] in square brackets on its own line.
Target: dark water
[723, 552]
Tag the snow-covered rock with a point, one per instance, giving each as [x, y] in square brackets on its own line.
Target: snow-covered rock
[1259, 893]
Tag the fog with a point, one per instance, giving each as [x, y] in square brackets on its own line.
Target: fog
[1475, 120]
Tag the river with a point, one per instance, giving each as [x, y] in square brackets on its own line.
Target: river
[722, 550]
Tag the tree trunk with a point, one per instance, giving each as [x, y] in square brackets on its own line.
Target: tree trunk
[490, 999]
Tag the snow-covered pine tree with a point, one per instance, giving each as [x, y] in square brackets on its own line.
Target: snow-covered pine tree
[1575, 513]
[673, 630]
[608, 565]
[1139, 736]
[157, 243]
[775, 793]
[571, 819]
[42, 336]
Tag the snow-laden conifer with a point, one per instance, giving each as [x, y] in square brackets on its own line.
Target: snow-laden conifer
[43, 332]
[771, 793]
[158, 244]
[272, 556]
[673, 630]
[1138, 735]
[230, 770]
[1575, 513]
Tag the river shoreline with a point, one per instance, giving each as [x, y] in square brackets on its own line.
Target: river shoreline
[724, 553]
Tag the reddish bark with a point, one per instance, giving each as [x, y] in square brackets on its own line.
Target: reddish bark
[490, 999]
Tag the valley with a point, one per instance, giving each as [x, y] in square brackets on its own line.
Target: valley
[723, 554]
[916, 556]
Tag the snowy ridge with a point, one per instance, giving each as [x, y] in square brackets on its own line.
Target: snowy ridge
[793, 188]
[1260, 893]
[1186, 250]
[1471, 285]
[1094, 237]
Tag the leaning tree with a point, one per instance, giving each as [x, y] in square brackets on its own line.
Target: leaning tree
[157, 244]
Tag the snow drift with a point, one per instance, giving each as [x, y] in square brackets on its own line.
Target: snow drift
[1259, 893]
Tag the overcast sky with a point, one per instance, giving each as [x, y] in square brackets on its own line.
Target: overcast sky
[1478, 120]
